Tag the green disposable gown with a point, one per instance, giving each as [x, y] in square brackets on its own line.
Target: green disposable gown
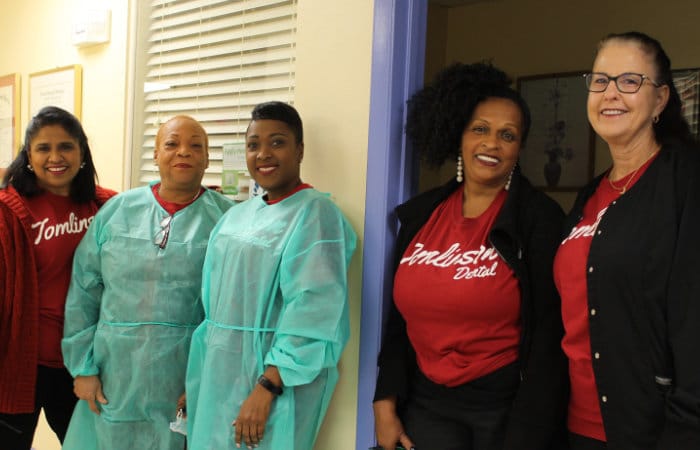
[275, 293]
[130, 313]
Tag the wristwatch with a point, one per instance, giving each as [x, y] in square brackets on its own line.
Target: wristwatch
[269, 385]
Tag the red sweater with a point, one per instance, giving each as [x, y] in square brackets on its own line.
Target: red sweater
[19, 303]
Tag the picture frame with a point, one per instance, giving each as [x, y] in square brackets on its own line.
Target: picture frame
[60, 87]
[687, 82]
[559, 152]
[9, 118]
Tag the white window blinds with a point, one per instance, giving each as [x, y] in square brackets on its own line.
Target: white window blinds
[212, 60]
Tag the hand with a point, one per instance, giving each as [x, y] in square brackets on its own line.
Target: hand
[89, 388]
[252, 417]
[182, 404]
[388, 425]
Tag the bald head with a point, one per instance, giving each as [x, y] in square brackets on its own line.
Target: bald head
[182, 155]
[176, 123]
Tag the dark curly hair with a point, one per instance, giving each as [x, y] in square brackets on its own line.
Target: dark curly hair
[672, 125]
[438, 113]
[82, 187]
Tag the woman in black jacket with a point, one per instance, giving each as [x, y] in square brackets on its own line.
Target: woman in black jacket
[628, 269]
[470, 357]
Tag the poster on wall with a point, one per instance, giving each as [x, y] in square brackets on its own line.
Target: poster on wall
[558, 154]
[687, 82]
[60, 87]
[9, 118]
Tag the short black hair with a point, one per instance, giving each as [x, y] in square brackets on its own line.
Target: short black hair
[18, 175]
[284, 113]
[671, 125]
[439, 112]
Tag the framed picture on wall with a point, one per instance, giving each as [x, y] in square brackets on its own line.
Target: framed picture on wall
[687, 83]
[60, 87]
[9, 118]
[558, 154]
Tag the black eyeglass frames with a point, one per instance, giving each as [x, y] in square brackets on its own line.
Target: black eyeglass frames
[161, 238]
[627, 83]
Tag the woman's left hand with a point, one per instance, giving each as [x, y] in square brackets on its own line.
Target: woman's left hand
[252, 417]
[182, 404]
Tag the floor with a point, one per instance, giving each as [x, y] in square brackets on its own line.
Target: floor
[44, 438]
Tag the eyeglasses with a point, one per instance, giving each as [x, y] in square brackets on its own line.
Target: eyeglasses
[161, 238]
[627, 83]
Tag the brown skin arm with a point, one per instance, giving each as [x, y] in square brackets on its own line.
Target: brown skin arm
[388, 426]
[255, 410]
[89, 388]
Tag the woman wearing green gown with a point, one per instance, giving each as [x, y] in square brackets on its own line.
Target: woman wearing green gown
[134, 300]
[275, 300]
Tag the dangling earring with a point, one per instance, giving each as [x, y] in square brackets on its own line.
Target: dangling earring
[82, 164]
[510, 178]
[30, 168]
[655, 119]
[460, 170]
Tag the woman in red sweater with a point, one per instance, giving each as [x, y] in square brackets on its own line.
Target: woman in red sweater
[48, 198]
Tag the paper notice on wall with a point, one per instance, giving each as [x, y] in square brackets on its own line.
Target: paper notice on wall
[234, 175]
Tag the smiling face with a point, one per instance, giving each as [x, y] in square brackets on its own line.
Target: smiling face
[623, 119]
[273, 157]
[55, 158]
[491, 142]
[182, 154]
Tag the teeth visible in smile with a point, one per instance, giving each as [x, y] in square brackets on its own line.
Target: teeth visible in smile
[488, 159]
[612, 112]
[266, 169]
[56, 169]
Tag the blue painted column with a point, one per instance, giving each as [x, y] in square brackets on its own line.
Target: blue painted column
[398, 60]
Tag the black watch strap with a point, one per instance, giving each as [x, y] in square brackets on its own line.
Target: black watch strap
[269, 385]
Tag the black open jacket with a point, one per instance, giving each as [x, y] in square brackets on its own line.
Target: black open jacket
[526, 233]
[643, 281]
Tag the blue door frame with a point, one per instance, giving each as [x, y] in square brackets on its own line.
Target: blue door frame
[398, 61]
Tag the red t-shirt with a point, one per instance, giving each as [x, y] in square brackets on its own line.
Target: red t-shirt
[59, 224]
[570, 263]
[460, 300]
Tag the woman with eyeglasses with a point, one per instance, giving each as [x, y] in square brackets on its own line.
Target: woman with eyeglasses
[48, 197]
[628, 268]
[135, 299]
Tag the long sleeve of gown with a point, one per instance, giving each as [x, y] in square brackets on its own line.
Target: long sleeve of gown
[83, 305]
[314, 324]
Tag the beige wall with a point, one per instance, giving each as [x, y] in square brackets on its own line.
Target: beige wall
[36, 37]
[332, 95]
[549, 36]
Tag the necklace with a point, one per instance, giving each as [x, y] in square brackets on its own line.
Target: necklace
[631, 176]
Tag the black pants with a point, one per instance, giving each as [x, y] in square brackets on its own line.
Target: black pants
[578, 442]
[54, 393]
[472, 416]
